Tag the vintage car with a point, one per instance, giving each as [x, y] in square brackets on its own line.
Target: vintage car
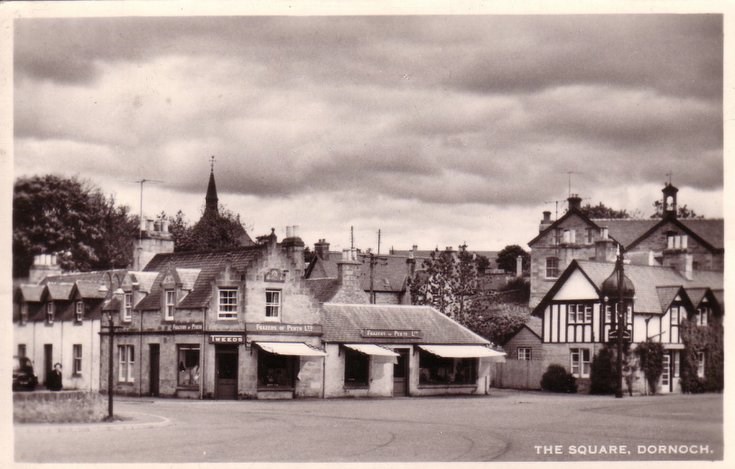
[23, 377]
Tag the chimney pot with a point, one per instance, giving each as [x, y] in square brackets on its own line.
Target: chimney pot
[547, 216]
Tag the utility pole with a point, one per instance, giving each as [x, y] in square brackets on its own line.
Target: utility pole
[373, 260]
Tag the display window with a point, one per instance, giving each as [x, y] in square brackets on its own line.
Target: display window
[188, 359]
[275, 371]
[440, 370]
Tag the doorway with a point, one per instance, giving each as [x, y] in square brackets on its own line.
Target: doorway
[154, 375]
[48, 360]
[401, 373]
[225, 369]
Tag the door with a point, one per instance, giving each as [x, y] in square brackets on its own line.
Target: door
[225, 368]
[401, 373]
[666, 374]
[154, 375]
[48, 360]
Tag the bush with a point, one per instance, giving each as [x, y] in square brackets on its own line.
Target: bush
[650, 355]
[557, 379]
[603, 373]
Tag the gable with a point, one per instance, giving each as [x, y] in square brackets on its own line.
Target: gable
[571, 219]
[577, 287]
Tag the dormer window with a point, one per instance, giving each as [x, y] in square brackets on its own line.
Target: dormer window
[79, 311]
[227, 303]
[50, 313]
[170, 305]
[128, 308]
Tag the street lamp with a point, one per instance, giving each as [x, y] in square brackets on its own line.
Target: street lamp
[111, 326]
[619, 287]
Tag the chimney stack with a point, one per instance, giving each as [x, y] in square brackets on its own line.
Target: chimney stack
[605, 247]
[43, 266]
[575, 202]
[546, 222]
[294, 247]
[348, 272]
[321, 249]
[519, 266]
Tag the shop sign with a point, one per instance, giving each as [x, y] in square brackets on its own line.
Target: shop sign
[392, 333]
[225, 339]
[183, 326]
[283, 328]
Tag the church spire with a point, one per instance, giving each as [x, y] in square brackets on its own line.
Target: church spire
[211, 200]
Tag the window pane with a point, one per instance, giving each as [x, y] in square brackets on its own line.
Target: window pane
[188, 366]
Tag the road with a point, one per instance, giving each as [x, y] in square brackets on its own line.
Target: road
[505, 426]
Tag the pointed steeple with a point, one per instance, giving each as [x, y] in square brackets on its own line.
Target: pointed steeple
[211, 200]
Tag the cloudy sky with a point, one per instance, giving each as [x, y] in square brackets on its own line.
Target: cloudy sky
[437, 130]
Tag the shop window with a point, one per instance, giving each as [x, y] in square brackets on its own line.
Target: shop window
[552, 267]
[79, 311]
[523, 353]
[580, 361]
[188, 375]
[77, 357]
[700, 364]
[128, 307]
[357, 368]
[126, 363]
[227, 303]
[170, 305]
[272, 303]
[440, 370]
[275, 371]
[50, 313]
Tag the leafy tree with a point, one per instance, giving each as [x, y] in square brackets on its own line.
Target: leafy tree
[466, 283]
[214, 230]
[603, 211]
[603, 373]
[506, 259]
[650, 355]
[682, 211]
[435, 285]
[70, 218]
[495, 321]
[482, 263]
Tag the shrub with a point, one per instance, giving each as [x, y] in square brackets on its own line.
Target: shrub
[602, 373]
[651, 356]
[557, 379]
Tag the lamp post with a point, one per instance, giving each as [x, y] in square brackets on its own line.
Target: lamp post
[111, 326]
[620, 328]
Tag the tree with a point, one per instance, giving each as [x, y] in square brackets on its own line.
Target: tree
[70, 218]
[494, 320]
[682, 211]
[651, 358]
[435, 285]
[506, 259]
[214, 230]
[482, 263]
[602, 211]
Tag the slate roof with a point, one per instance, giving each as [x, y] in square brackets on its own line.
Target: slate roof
[696, 295]
[344, 323]
[59, 290]
[666, 296]
[323, 289]
[89, 289]
[31, 293]
[96, 276]
[648, 280]
[210, 264]
[389, 273]
[626, 230]
[711, 230]
[535, 325]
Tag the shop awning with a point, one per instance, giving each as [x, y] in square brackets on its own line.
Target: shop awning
[290, 348]
[372, 349]
[461, 351]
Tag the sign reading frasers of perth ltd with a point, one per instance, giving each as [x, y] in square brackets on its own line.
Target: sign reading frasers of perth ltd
[283, 328]
[392, 333]
[183, 326]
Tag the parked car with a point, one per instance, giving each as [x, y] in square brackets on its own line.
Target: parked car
[23, 377]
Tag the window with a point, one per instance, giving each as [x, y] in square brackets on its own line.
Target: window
[676, 241]
[77, 357]
[227, 301]
[440, 370]
[579, 314]
[188, 375]
[357, 368]
[50, 313]
[700, 364]
[614, 306]
[275, 371]
[23, 313]
[523, 353]
[590, 235]
[79, 311]
[126, 363]
[552, 267]
[128, 308]
[700, 319]
[580, 362]
[556, 240]
[21, 350]
[272, 303]
[170, 305]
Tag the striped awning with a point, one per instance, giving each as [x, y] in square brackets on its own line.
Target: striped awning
[291, 349]
[372, 349]
[461, 351]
